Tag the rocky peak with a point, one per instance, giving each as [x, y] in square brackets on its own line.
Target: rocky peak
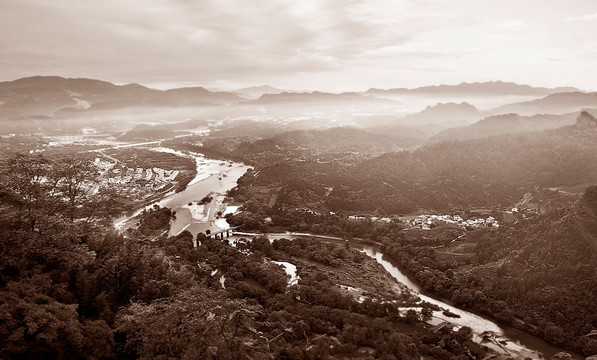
[586, 121]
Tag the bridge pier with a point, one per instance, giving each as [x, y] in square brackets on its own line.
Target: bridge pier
[220, 235]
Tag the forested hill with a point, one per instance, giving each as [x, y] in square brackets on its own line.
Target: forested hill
[554, 259]
[504, 124]
[144, 132]
[479, 172]
[539, 275]
[334, 140]
[339, 142]
[559, 103]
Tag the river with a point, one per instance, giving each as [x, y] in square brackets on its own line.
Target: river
[214, 178]
[503, 338]
[221, 177]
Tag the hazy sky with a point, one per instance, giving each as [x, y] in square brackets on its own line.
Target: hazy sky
[328, 44]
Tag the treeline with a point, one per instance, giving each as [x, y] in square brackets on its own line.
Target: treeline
[151, 223]
[260, 218]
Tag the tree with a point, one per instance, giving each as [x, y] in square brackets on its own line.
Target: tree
[412, 316]
[75, 179]
[26, 184]
[554, 334]
[34, 325]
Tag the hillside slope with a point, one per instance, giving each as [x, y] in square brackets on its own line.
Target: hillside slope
[540, 274]
[559, 103]
[504, 124]
[480, 172]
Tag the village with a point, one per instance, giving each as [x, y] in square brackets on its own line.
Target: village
[137, 182]
[426, 222]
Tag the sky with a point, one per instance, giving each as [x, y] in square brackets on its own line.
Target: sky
[329, 45]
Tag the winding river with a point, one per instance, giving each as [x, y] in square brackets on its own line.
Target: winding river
[214, 178]
[503, 338]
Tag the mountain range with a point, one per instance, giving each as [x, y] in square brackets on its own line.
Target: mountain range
[504, 124]
[61, 97]
[559, 103]
[254, 92]
[489, 88]
[317, 97]
[39, 97]
[47, 95]
[444, 112]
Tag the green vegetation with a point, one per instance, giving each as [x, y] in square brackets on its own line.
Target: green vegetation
[152, 223]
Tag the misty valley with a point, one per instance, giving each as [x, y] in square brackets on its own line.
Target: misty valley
[438, 222]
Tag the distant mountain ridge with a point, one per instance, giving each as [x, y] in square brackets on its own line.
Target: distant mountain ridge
[54, 96]
[144, 132]
[555, 104]
[253, 92]
[476, 88]
[316, 96]
[46, 95]
[58, 96]
[504, 124]
[444, 112]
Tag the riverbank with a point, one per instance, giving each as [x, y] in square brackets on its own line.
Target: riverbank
[214, 178]
[197, 217]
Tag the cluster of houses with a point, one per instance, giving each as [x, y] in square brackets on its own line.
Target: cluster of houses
[372, 218]
[155, 178]
[426, 222]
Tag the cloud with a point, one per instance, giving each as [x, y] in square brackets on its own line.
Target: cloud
[312, 44]
[512, 24]
[587, 17]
